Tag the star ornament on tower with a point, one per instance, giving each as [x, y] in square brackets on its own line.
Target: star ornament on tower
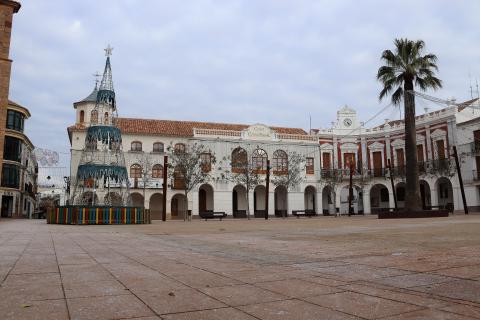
[108, 51]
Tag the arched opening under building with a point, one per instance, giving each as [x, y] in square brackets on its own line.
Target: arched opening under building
[310, 199]
[239, 202]
[357, 200]
[113, 199]
[259, 203]
[205, 198]
[425, 195]
[328, 203]
[281, 201]
[137, 199]
[156, 206]
[379, 198]
[179, 206]
[400, 194]
[445, 193]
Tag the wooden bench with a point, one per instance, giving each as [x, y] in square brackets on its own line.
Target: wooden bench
[305, 213]
[212, 215]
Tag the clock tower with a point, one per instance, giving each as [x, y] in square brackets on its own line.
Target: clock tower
[346, 118]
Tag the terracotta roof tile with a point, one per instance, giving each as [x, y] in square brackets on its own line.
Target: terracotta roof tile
[179, 128]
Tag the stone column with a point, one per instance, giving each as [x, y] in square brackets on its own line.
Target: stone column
[428, 142]
[366, 201]
[271, 202]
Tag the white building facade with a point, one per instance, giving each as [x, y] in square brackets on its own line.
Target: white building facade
[330, 155]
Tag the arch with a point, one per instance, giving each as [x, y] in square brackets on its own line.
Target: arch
[280, 162]
[135, 171]
[259, 203]
[179, 148]
[82, 116]
[179, 206]
[239, 160]
[357, 200]
[157, 171]
[281, 201]
[425, 195]
[239, 202]
[156, 206]
[328, 201]
[136, 146]
[400, 189]
[137, 199]
[379, 198]
[310, 199]
[205, 198]
[444, 189]
[259, 160]
[158, 147]
[89, 198]
[94, 116]
[113, 199]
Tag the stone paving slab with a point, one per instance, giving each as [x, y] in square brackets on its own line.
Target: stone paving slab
[320, 268]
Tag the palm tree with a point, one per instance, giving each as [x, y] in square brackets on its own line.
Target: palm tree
[404, 69]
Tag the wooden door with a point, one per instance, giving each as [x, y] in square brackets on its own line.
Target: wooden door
[202, 200]
[400, 158]
[477, 159]
[175, 207]
[377, 164]
[420, 159]
[349, 160]
[440, 149]
[326, 160]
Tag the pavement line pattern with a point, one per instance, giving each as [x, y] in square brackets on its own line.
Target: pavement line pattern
[320, 268]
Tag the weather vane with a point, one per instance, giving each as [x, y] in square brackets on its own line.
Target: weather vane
[108, 51]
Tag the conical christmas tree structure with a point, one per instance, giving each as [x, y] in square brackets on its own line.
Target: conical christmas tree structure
[102, 177]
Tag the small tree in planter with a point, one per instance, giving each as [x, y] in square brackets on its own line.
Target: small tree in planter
[288, 170]
[245, 172]
[189, 167]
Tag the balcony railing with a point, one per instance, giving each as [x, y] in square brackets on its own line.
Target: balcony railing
[377, 172]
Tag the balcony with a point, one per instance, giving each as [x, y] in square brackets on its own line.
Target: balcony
[377, 172]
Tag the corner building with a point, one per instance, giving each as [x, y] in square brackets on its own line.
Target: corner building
[329, 153]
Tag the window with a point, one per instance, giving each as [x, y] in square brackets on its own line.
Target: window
[10, 176]
[12, 149]
[136, 146]
[349, 161]
[105, 118]
[94, 116]
[280, 162]
[135, 171]
[158, 147]
[206, 162]
[239, 160]
[326, 160]
[82, 116]
[259, 160]
[179, 148]
[309, 166]
[157, 171]
[15, 120]
[178, 180]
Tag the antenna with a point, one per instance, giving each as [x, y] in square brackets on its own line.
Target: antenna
[471, 89]
[478, 94]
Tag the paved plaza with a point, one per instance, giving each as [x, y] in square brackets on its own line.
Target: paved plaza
[318, 268]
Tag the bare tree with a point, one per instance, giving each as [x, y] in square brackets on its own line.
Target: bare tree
[331, 178]
[146, 173]
[291, 176]
[189, 167]
[245, 172]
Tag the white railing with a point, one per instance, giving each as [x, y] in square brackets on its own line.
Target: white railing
[216, 133]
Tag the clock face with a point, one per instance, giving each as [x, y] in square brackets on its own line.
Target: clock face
[347, 122]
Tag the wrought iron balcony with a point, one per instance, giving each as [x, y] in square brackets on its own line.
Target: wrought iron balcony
[341, 174]
[377, 172]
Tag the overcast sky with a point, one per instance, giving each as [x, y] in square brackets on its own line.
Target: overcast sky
[241, 61]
